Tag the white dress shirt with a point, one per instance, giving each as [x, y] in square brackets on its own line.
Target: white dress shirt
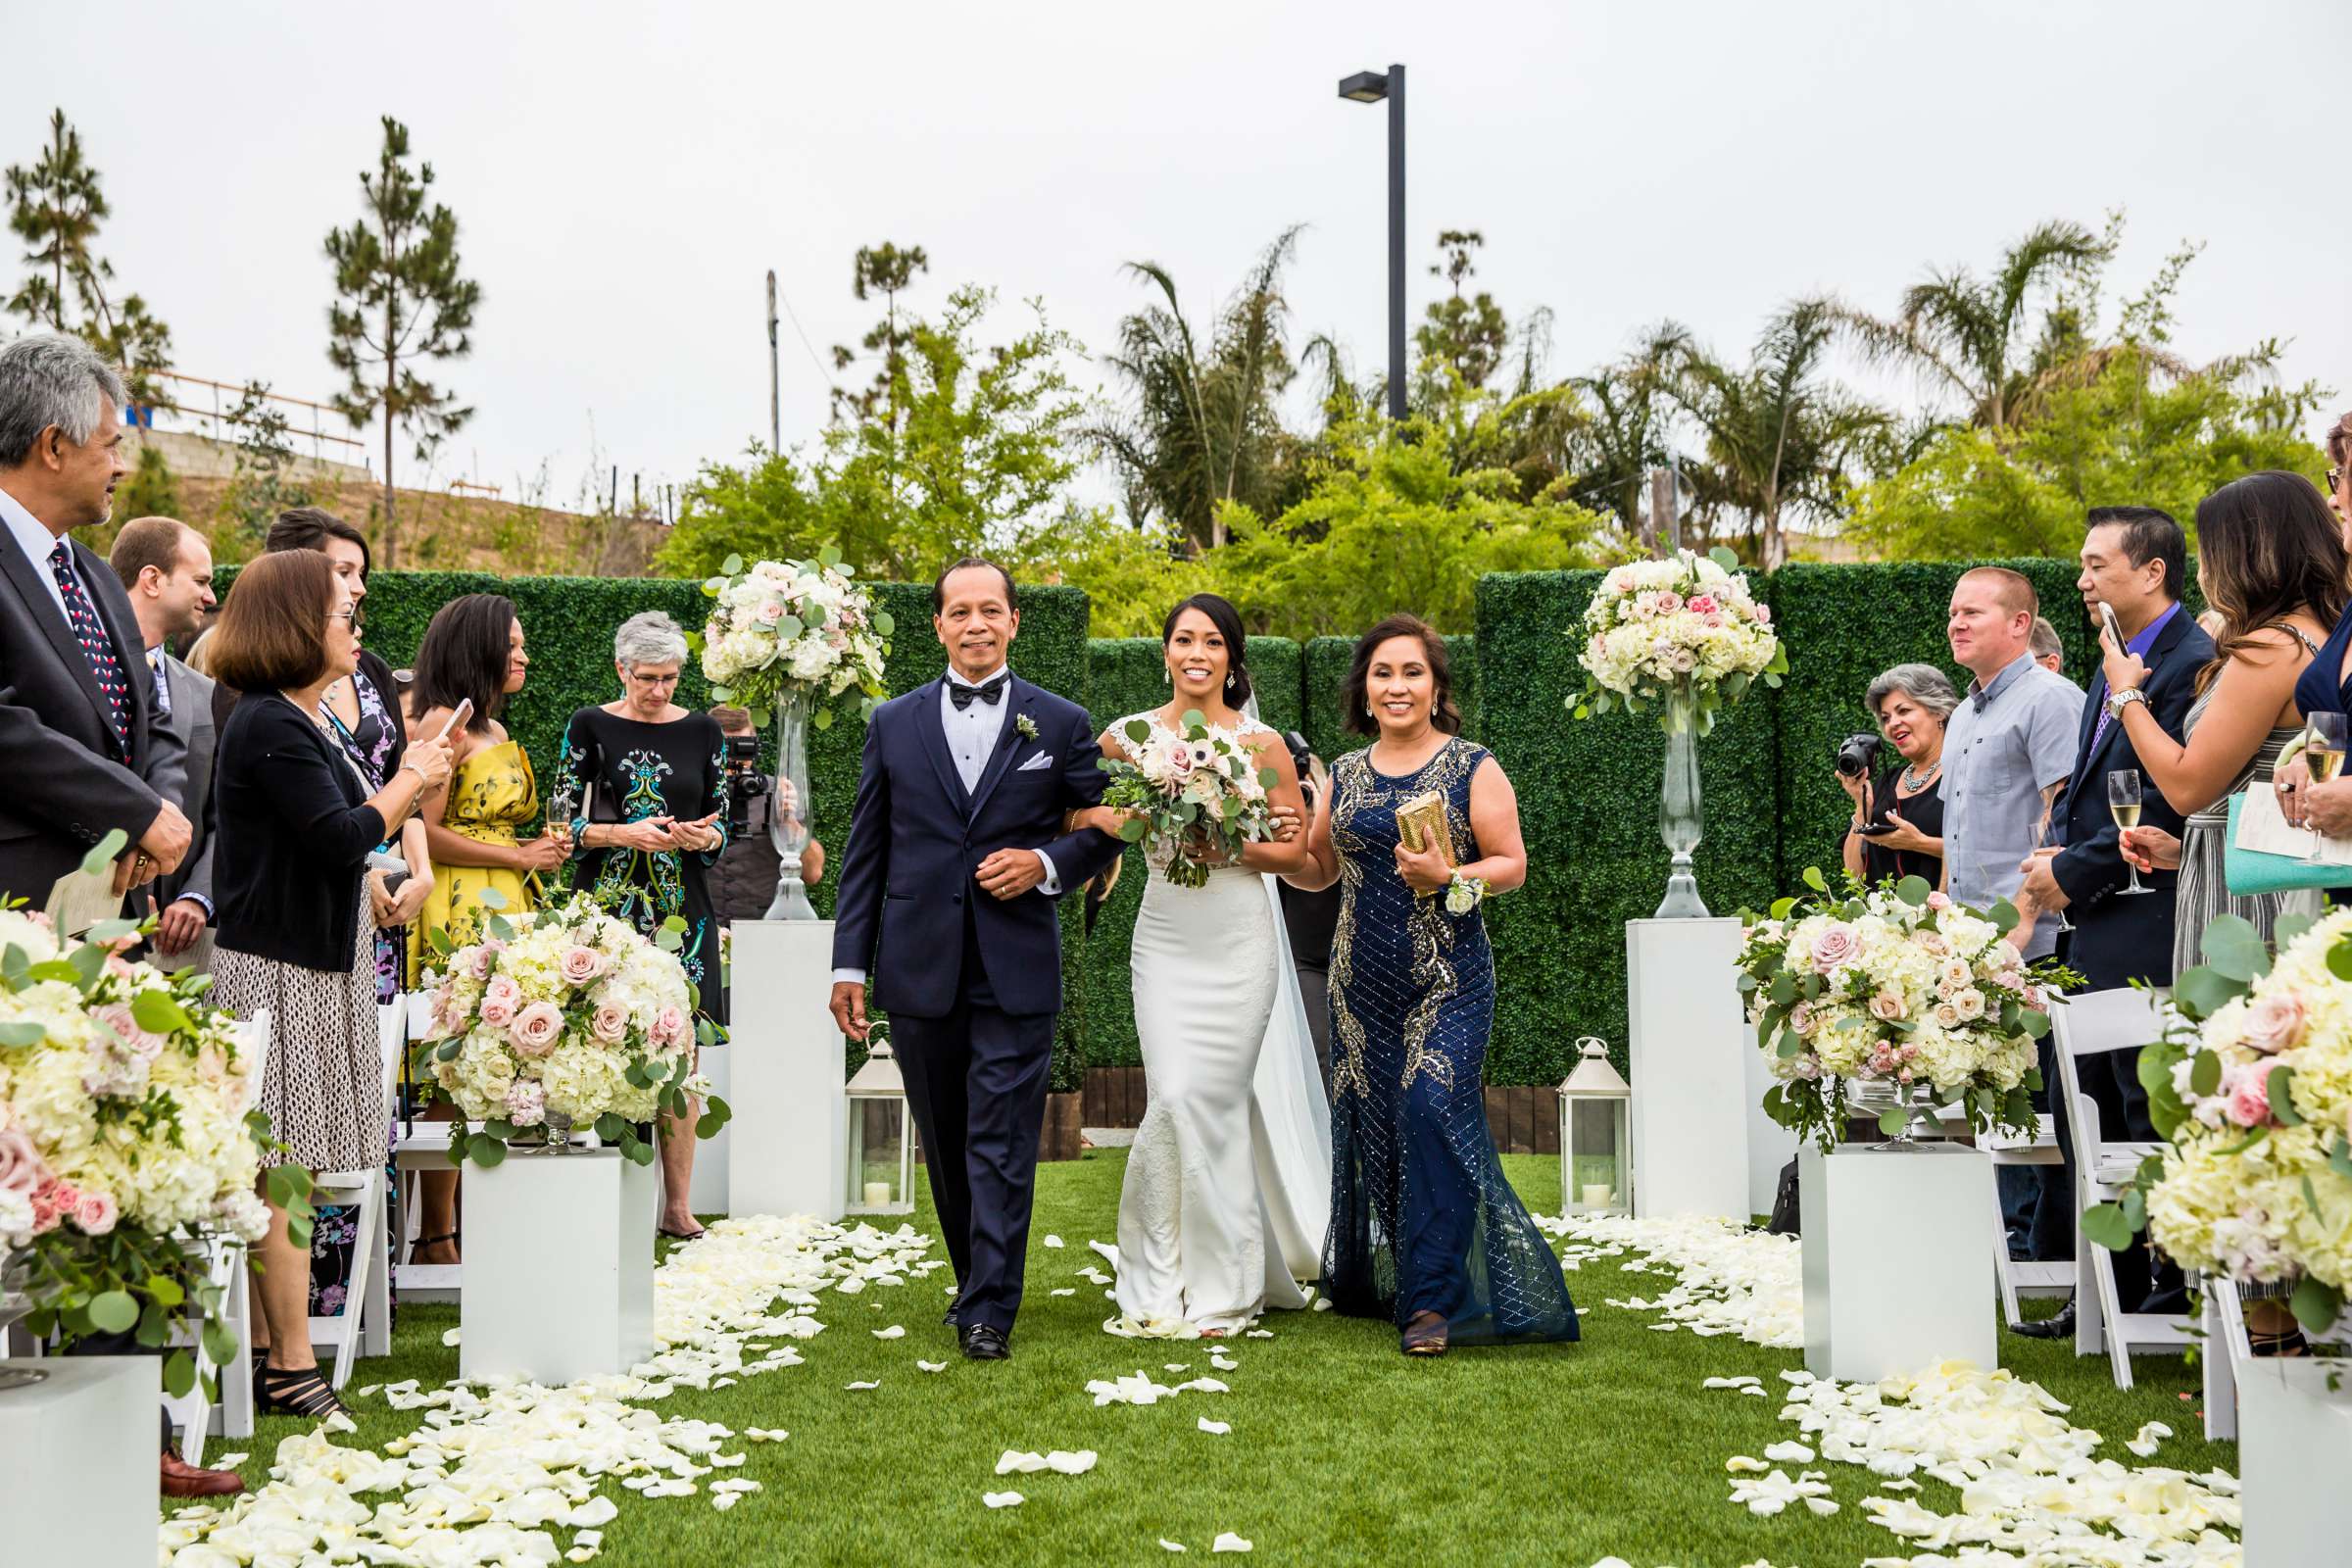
[972, 732]
[39, 544]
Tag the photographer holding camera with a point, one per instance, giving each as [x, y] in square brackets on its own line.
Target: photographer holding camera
[744, 880]
[1897, 830]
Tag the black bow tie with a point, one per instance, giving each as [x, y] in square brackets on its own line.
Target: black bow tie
[992, 693]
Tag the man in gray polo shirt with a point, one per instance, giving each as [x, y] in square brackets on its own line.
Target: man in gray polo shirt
[2008, 750]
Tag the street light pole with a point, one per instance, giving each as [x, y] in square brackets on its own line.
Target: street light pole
[776, 397]
[1371, 87]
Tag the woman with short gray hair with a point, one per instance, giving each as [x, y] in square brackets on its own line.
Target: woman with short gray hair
[643, 783]
[1897, 830]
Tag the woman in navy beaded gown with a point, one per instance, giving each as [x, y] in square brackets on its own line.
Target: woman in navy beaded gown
[1425, 1230]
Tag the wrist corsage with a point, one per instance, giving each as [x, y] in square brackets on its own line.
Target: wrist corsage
[1464, 894]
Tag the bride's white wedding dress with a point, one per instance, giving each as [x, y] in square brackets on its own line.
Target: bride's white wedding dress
[1228, 1186]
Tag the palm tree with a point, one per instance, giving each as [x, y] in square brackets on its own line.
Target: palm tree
[1777, 432]
[1625, 425]
[1970, 337]
[1202, 427]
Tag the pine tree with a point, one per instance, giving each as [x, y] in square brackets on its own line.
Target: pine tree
[402, 300]
[56, 207]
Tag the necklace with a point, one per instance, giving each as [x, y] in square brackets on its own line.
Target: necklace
[1914, 781]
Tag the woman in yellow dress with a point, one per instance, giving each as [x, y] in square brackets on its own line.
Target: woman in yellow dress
[473, 654]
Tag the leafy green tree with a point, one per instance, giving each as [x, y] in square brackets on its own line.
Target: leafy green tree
[1469, 335]
[262, 483]
[1202, 427]
[401, 300]
[151, 491]
[975, 457]
[1628, 425]
[1777, 432]
[1975, 341]
[56, 207]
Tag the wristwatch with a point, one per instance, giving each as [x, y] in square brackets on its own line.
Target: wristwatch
[2117, 703]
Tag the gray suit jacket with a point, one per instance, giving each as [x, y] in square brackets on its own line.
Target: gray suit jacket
[190, 723]
[69, 778]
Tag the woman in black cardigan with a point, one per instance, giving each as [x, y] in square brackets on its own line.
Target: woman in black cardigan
[295, 823]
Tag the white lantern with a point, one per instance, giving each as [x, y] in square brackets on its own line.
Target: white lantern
[1596, 1145]
[881, 1174]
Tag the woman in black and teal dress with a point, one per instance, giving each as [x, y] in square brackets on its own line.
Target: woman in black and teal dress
[1425, 1230]
[643, 783]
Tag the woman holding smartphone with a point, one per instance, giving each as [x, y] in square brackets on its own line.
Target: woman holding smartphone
[644, 784]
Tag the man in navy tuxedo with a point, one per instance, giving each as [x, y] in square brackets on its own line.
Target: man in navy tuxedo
[955, 858]
[2134, 560]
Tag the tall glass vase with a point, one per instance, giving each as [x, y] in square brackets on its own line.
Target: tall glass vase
[1678, 812]
[789, 806]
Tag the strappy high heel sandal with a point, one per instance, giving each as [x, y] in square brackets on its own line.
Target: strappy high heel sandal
[302, 1393]
[423, 1242]
[1425, 1335]
[2286, 1342]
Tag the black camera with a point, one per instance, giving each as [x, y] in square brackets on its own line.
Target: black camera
[1858, 755]
[745, 784]
[1300, 755]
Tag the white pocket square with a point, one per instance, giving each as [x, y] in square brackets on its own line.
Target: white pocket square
[1041, 760]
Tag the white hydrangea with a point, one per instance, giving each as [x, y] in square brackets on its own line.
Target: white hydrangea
[797, 625]
[1679, 630]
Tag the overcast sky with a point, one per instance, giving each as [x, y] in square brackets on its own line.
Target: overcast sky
[625, 173]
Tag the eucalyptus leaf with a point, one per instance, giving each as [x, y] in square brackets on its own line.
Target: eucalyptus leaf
[179, 1374]
[2279, 1087]
[2316, 1304]
[2205, 1072]
[24, 1033]
[1913, 891]
[113, 1311]
[1892, 1120]
[485, 1151]
[2236, 948]
[2104, 1223]
[1813, 879]
[102, 856]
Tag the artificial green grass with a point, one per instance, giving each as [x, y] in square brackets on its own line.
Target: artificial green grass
[1343, 1451]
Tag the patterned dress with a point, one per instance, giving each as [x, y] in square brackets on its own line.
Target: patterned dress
[493, 798]
[1421, 1216]
[618, 769]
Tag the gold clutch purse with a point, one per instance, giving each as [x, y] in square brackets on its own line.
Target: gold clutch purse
[1421, 822]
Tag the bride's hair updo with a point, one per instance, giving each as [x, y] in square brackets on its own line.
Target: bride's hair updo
[1228, 621]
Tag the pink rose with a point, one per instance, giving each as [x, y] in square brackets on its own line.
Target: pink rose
[1669, 601]
[94, 1213]
[526, 1103]
[669, 1026]
[2246, 1094]
[1938, 901]
[768, 612]
[21, 1168]
[1801, 1017]
[1180, 759]
[141, 1044]
[44, 1209]
[2275, 1023]
[537, 1028]
[1763, 615]
[480, 960]
[579, 965]
[1886, 1006]
[1838, 945]
[611, 1024]
[500, 1001]
[1704, 603]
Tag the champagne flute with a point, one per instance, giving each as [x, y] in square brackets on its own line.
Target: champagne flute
[2123, 801]
[2323, 755]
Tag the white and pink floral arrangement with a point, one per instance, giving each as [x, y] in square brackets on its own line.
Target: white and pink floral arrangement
[1684, 633]
[792, 628]
[2253, 1087]
[126, 1137]
[1196, 794]
[562, 1019]
[1895, 986]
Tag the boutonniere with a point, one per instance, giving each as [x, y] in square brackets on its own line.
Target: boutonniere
[1025, 726]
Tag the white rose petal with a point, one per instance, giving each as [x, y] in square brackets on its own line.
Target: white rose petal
[1016, 1463]
[1067, 1289]
[1071, 1464]
[1166, 1544]
[1229, 1541]
[895, 1332]
[449, 1336]
[1002, 1499]
[932, 1367]
[860, 1388]
[1215, 1429]
[1053, 1242]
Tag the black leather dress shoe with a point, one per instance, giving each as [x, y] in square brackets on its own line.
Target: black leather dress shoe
[2060, 1325]
[954, 1307]
[984, 1344]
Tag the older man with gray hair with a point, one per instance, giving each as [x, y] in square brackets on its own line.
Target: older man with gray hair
[79, 736]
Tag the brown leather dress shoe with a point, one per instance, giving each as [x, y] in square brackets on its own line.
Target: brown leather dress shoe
[180, 1479]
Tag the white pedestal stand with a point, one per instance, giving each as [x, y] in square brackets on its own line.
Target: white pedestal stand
[1690, 1119]
[1897, 1275]
[77, 1462]
[559, 1266]
[2291, 1431]
[710, 1189]
[788, 1152]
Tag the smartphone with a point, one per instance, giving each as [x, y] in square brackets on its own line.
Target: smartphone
[458, 715]
[2107, 615]
[1871, 830]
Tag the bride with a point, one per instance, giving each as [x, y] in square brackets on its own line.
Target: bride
[1228, 1186]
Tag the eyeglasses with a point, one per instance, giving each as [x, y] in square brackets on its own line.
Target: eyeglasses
[670, 679]
[2335, 478]
[343, 615]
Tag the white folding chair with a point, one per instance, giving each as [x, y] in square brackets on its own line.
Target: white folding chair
[2092, 1024]
[2019, 1277]
[415, 1152]
[365, 1325]
[232, 1414]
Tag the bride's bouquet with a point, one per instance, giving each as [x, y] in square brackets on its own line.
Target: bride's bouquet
[1683, 632]
[792, 627]
[1197, 797]
[126, 1137]
[1894, 986]
[562, 1018]
[2252, 1085]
